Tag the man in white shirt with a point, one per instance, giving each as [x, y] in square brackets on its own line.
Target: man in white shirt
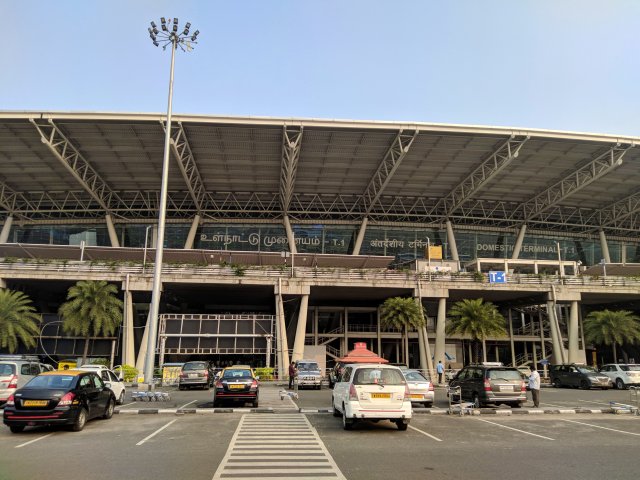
[534, 386]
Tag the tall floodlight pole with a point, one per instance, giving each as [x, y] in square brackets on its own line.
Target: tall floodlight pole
[168, 36]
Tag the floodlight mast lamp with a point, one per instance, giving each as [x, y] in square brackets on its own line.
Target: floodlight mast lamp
[168, 35]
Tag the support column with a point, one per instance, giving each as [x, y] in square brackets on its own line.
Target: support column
[142, 353]
[3, 283]
[518, 246]
[360, 237]
[556, 340]
[188, 245]
[513, 347]
[301, 329]
[452, 242]
[345, 314]
[282, 336]
[6, 228]
[112, 232]
[439, 354]
[542, 346]
[290, 237]
[574, 355]
[128, 348]
[378, 334]
[605, 248]
[280, 367]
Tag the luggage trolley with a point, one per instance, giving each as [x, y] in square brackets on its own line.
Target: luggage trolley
[458, 406]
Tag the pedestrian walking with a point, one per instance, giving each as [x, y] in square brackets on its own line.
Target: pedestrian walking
[292, 374]
[534, 386]
[440, 370]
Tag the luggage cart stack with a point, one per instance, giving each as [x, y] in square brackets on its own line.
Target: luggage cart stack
[456, 405]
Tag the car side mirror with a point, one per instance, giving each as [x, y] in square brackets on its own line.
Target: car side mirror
[257, 377]
[107, 384]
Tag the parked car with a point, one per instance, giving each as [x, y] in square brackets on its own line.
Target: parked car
[623, 375]
[420, 387]
[16, 371]
[309, 374]
[237, 384]
[195, 374]
[490, 383]
[583, 376]
[70, 397]
[117, 384]
[367, 391]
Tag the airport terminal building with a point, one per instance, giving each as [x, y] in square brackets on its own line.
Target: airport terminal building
[285, 235]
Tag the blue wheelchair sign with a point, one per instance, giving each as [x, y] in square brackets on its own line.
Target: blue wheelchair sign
[497, 277]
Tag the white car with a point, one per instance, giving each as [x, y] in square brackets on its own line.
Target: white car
[116, 383]
[369, 391]
[420, 388]
[623, 375]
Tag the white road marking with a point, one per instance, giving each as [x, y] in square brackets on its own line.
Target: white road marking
[193, 401]
[126, 404]
[515, 429]
[597, 403]
[296, 452]
[155, 433]
[425, 433]
[553, 405]
[604, 428]
[34, 440]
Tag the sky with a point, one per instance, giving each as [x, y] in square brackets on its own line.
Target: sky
[551, 64]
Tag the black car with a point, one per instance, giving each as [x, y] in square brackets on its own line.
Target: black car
[582, 376]
[63, 397]
[236, 384]
[490, 382]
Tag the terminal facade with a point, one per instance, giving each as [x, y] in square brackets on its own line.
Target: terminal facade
[283, 233]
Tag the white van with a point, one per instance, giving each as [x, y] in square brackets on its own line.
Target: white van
[16, 371]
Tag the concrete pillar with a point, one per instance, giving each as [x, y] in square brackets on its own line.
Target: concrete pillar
[513, 347]
[605, 248]
[282, 342]
[452, 242]
[290, 237]
[360, 237]
[315, 326]
[128, 348]
[542, 345]
[484, 351]
[301, 329]
[421, 348]
[574, 355]
[518, 246]
[345, 314]
[188, 245]
[378, 334]
[142, 353]
[113, 236]
[439, 354]
[3, 283]
[556, 339]
[6, 228]
[280, 367]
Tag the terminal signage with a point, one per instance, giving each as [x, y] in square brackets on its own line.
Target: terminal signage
[497, 277]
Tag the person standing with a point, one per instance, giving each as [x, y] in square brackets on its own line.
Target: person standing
[440, 370]
[292, 374]
[534, 386]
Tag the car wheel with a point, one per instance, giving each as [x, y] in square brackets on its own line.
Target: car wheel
[620, 384]
[16, 428]
[336, 412]
[80, 421]
[476, 401]
[108, 412]
[556, 383]
[180, 387]
[584, 385]
[121, 398]
[516, 405]
[402, 426]
[428, 404]
[255, 404]
[347, 423]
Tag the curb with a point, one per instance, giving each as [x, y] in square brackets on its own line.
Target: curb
[417, 411]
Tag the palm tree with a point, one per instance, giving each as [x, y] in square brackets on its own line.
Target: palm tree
[91, 309]
[18, 320]
[478, 319]
[612, 327]
[403, 314]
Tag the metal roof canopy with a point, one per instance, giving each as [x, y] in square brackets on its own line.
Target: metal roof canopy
[66, 167]
[195, 257]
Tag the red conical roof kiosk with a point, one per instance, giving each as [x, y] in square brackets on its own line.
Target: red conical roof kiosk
[360, 354]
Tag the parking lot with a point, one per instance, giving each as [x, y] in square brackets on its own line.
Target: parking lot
[293, 445]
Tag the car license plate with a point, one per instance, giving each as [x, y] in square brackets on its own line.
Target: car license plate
[236, 386]
[193, 375]
[506, 388]
[36, 403]
[380, 395]
[415, 395]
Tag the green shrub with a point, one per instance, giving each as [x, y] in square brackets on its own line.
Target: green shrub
[130, 373]
[264, 373]
[99, 361]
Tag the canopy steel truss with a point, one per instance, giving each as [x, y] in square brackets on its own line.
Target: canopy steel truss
[291, 146]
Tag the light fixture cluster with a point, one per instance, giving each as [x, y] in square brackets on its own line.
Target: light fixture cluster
[169, 34]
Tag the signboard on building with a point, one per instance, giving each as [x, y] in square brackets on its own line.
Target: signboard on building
[497, 277]
[433, 252]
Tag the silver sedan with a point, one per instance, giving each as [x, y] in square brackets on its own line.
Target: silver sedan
[420, 388]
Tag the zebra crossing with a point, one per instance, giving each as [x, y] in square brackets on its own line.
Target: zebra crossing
[277, 446]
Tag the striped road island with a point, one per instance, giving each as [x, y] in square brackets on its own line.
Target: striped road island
[277, 446]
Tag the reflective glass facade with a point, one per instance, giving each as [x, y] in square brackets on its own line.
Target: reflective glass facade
[333, 239]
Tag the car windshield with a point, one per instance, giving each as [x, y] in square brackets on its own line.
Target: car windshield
[7, 369]
[587, 370]
[51, 382]
[378, 376]
[194, 366]
[306, 367]
[504, 374]
[415, 377]
[630, 368]
[237, 373]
